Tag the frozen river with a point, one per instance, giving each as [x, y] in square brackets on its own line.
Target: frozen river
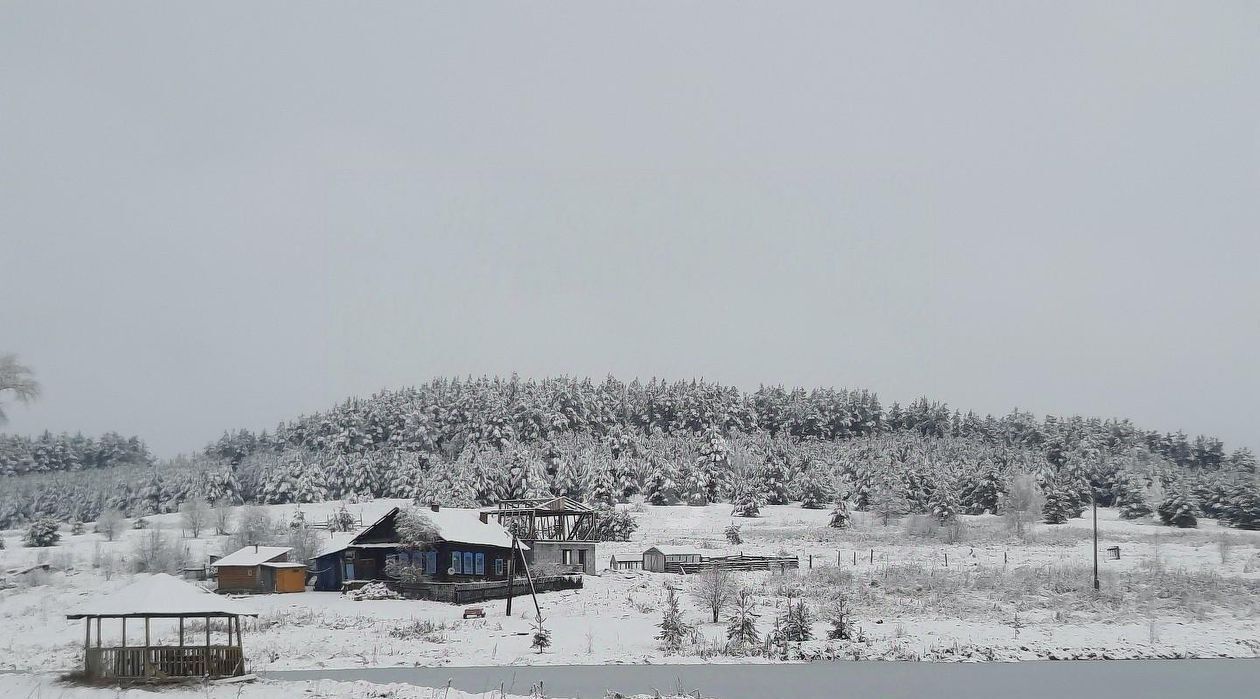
[1121, 679]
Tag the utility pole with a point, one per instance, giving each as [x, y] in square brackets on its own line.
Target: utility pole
[1095, 499]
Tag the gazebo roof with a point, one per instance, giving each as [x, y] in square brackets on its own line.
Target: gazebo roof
[160, 595]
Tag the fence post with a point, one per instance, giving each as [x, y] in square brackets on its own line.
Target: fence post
[811, 561]
[872, 556]
[947, 559]
[855, 558]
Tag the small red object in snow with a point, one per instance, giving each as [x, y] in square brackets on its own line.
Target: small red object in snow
[475, 613]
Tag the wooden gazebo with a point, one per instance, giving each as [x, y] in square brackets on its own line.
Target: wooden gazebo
[163, 597]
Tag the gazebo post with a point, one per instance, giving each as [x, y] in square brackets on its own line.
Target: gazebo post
[229, 625]
[98, 632]
[181, 632]
[87, 640]
[124, 623]
[207, 645]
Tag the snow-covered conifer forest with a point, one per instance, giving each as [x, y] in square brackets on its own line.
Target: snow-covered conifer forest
[474, 441]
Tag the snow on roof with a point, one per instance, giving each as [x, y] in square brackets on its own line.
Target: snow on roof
[676, 550]
[160, 595]
[453, 524]
[465, 527]
[338, 543]
[251, 556]
[284, 564]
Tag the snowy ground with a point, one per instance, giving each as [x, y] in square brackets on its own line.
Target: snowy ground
[1173, 593]
[49, 687]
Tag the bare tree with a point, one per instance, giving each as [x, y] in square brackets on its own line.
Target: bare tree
[222, 516]
[194, 514]
[109, 523]
[714, 589]
[16, 379]
[1021, 503]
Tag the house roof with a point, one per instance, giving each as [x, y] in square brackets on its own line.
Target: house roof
[252, 556]
[456, 525]
[160, 595]
[676, 550]
[284, 564]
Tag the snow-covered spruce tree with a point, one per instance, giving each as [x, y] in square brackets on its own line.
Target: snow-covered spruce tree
[41, 533]
[341, 520]
[888, 498]
[660, 488]
[714, 462]
[695, 490]
[604, 487]
[1178, 509]
[981, 492]
[772, 481]
[741, 627]
[1059, 504]
[745, 499]
[673, 629]
[732, 534]
[943, 503]
[1243, 511]
[840, 517]
[813, 488]
[796, 623]
[628, 478]
[308, 479]
[542, 636]
[1131, 498]
[840, 616]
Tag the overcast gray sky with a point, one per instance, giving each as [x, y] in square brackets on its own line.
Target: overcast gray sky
[227, 215]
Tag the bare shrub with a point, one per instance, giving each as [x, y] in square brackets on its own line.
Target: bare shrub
[222, 516]
[154, 552]
[714, 589]
[254, 526]
[194, 514]
[1022, 503]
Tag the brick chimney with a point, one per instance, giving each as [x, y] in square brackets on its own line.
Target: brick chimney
[435, 507]
[485, 517]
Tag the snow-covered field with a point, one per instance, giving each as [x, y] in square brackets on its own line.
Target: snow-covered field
[1173, 593]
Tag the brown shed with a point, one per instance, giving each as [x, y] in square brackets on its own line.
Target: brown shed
[259, 569]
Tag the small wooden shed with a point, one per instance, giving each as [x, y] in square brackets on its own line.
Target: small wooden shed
[261, 569]
[163, 597]
[625, 562]
[655, 558]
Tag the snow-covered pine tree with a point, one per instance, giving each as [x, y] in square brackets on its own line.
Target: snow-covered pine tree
[741, 626]
[712, 466]
[797, 623]
[660, 488]
[840, 516]
[41, 533]
[745, 498]
[1131, 498]
[695, 489]
[604, 487]
[982, 491]
[888, 498]
[1243, 511]
[772, 480]
[673, 628]
[732, 534]
[840, 616]
[811, 484]
[943, 503]
[1178, 509]
[308, 478]
[1059, 504]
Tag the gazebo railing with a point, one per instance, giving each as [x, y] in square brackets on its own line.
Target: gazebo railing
[165, 661]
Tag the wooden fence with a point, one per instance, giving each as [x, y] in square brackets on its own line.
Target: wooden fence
[165, 661]
[464, 592]
[735, 563]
